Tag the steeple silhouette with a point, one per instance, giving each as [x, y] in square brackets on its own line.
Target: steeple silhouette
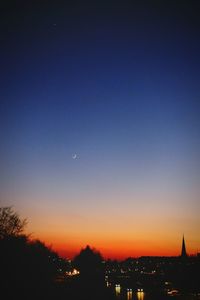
[183, 251]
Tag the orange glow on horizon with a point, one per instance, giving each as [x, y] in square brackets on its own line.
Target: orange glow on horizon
[115, 233]
[111, 254]
[118, 251]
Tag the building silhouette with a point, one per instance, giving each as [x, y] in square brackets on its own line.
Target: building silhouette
[183, 251]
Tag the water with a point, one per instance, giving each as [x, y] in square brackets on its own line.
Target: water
[129, 294]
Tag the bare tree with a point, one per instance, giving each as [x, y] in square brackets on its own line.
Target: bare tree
[10, 223]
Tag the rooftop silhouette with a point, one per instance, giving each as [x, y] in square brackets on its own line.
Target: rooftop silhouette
[183, 251]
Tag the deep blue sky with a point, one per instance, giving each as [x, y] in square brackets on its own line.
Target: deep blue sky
[117, 85]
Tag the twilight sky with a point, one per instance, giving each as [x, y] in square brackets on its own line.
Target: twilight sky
[100, 124]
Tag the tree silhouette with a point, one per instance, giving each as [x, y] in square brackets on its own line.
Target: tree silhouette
[89, 261]
[91, 280]
[26, 265]
[10, 223]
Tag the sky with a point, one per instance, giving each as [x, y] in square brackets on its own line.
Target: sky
[100, 124]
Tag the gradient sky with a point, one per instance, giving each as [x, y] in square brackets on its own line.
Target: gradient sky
[119, 87]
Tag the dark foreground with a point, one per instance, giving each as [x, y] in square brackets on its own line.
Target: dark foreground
[77, 290]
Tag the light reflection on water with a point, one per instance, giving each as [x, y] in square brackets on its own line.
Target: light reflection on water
[140, 295]
[129, 295]
[117, 290]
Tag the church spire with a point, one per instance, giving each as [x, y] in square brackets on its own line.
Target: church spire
[183, 252]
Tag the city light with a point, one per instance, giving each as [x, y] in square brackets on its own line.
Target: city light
[74, 272]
